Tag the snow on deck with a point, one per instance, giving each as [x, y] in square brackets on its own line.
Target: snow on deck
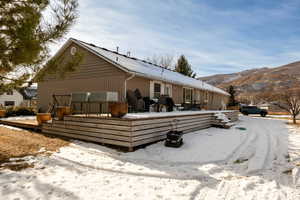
[171, 114]
[212, 164]
[19, 118]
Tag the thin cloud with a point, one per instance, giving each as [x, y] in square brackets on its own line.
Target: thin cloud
[215, 38]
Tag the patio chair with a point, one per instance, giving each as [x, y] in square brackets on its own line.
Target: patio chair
[132, 101]
[101, 98]
[80, 98]
[98, 98]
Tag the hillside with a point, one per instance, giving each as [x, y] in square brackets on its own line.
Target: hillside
[257, 81]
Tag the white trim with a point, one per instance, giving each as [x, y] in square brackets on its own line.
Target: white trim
[163, 86]
[151, 90]
[197, 95]
[101, 56]
[192, 94]
[125, 85]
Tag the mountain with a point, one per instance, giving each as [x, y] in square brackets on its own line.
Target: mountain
[254, 82]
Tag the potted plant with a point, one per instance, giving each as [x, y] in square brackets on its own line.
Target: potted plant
[62, 111]
[2, 111]
[118, 109]
[43, 117]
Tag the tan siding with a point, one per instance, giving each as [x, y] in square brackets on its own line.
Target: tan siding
[142, 84]
[91, 67]
[177, 93]
[47, 89]
[93, 74]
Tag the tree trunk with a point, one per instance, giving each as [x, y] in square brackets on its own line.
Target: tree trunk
[294, 119]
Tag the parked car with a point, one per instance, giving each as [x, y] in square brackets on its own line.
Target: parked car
[246, 110]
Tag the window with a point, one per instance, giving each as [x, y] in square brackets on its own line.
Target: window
[187, 95]
[206, 97]
[157, 90]
[9, 103]
[197, 96]
[168, 90]
[10, 92]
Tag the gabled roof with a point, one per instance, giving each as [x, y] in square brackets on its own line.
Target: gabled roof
[29, 92]
[145, 69]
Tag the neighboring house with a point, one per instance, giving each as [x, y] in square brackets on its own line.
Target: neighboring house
[11, 98]
[30, 96]
[271, 107]
[105, 70]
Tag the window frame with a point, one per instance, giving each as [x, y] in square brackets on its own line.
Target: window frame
[160, 90]
[185, 100]
[13, 103]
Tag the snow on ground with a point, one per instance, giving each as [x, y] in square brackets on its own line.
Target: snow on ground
[19, 118]
[212, 164]
[200, 147]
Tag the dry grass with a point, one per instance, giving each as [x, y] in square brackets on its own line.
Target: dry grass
[278, 113]
[17, 144]
[291, 123]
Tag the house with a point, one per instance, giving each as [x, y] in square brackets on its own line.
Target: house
[29, 96]
[19, 97]
[272, 107]
[105, 70]
[11, 98]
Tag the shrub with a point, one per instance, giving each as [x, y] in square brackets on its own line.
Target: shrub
[19, 111]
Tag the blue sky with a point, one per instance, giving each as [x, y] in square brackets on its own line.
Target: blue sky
[216, 36]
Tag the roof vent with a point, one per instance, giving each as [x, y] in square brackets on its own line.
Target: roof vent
[73, 51]
[128, 53]
[117, 49]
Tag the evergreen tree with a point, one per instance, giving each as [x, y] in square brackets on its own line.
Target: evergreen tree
[27, 28]
[232, 92]
[184, 67]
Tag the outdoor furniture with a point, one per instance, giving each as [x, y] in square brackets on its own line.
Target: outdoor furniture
[178, 107]
[165, 101]
[80, 98]
[148, 103]
[58, 100]
[132, 101]
[100, 99]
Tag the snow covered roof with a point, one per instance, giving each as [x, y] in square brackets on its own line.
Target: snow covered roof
[29, 92]
[147, 69]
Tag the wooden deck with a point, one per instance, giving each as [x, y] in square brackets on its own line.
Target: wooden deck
[26, 124]
[129, 132]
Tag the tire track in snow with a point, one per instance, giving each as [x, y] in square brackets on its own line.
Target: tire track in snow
[262, 151]
[126, 159]
[244, 146]
[150, 175]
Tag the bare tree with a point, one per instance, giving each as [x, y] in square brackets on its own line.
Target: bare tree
[166, 61]
[289, 101]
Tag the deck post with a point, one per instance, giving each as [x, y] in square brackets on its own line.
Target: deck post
[130, 149]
